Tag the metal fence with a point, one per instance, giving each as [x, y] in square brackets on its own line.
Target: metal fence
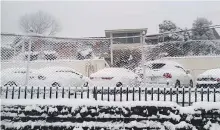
[131, 51]
[182, 96]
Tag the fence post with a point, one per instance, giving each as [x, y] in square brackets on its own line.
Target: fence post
[38, 89]
[88, 93]
[196, 95]
[171, 94]
[183, 103]
[56, 92]
[19, 92]
[189, 96]
[114, 94]
[108, 93]
[102, 94]
[63, 92]
[25, 92]
[69, 93]
[133, 94]
[152, 94]
[6, 95]
[13, 91]
[145, 94]
[121, 94]
[158, 94]
[202, 94]
[32, 92]
[44, 92]
[96, 93]
[50, 92]
[177, 95]
[75, 94]
[127, 94]
[139, 94]
[208, 95]
[81, 93]
[164, 94]
[214, 95]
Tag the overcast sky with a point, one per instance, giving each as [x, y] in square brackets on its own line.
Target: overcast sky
[86, 19]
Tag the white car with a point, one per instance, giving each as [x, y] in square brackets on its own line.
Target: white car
[16, 77]
[114, 77]
[165, 73]
[210, 78]
[62, 77]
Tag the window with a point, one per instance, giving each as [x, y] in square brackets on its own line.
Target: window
[156, 66]
[128, 38]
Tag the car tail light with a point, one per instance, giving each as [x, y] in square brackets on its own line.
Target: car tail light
[107, 78]
[218, 79]
[167, 75]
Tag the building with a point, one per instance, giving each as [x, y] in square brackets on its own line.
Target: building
[126, 38]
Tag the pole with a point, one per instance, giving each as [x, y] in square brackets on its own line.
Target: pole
[28, 62]
[143, 56]
[111, 44]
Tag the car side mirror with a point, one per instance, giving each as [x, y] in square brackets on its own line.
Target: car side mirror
[187, 71]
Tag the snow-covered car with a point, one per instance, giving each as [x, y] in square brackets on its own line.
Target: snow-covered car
[210, 78]
[63, 77]
[165, 73]
[16, 77]
[115, 77]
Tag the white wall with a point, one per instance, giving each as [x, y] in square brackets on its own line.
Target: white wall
[86, 67]
[197, 64]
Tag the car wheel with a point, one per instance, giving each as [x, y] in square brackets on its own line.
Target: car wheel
[191, 83]
[177, 84]
[119, 84]
[10, 83]
[55, 84]
[86, 84]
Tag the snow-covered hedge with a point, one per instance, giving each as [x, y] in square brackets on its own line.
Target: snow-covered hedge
[69, 114]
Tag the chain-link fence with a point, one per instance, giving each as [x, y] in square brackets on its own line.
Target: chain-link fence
[145, 55]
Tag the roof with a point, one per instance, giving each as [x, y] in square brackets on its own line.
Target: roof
[215, 33]
[107, 32]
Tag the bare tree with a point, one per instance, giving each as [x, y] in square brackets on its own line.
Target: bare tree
[39, 23]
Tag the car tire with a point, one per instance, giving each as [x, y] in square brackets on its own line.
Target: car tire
[10, 83]
[191, 84]
[177, 84]
[55, 84]
[119, 84]
[85, 84]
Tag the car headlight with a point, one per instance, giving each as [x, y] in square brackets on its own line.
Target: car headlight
[40, 77]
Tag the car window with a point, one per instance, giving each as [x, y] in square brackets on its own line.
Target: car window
[156, 65]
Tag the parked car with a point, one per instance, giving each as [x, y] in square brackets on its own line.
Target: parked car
[114, 77]
[165, 73]
[16, 77]
[210, 78]
[63, 77]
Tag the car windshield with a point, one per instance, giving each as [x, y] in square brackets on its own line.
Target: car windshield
[156, 66]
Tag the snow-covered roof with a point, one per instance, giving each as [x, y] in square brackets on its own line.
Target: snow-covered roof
[168, 62]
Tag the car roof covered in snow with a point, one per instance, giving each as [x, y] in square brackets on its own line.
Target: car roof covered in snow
[13, 70]
[211, 72]
[113, 72]
[57, 68]
[167, 62]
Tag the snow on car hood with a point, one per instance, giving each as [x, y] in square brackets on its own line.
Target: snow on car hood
[211, 73]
